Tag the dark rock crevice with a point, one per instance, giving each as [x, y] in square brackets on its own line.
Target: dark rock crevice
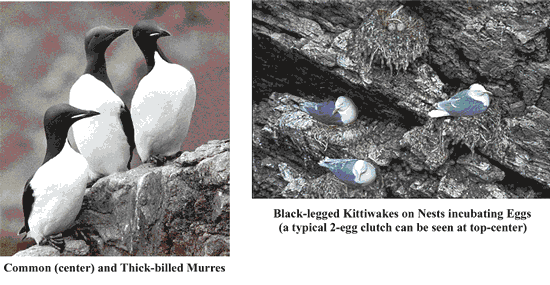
[276, 69]
[296, 36]
[518, 184]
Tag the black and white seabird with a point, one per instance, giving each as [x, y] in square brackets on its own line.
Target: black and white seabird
[106, 141]
[164, 99]
[53, 195]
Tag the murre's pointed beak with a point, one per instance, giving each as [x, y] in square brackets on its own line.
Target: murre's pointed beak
[85, 114]
[92, 113]
[161, 33]
[120, 32]
[335, 110]
[117, 33]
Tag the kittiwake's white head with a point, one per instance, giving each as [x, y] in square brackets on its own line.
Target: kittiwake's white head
[346, 108]
[478, 92]
[364, 172]
[478, 87]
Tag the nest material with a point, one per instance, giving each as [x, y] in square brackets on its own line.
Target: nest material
[395, 38]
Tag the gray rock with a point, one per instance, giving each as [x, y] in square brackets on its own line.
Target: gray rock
[517, 108]
[452, 186]
[428, 145]
[38, 250]
[481, 167]
[524, 145]
[158, 210]
[495, 191]
[76, 248]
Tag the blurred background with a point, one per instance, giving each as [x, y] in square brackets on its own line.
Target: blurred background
[42, 55]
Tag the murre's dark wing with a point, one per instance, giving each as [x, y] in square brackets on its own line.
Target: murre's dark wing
[28, 202]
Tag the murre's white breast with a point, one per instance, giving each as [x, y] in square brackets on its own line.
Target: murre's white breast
[59, 186]
[162, 108]
[100, 139]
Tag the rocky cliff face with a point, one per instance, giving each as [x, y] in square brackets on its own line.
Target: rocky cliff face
[181, 208]
[395, 60]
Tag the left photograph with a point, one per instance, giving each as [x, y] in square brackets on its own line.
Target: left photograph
[114, 129]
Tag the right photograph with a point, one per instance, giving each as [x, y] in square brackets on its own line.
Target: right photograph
[400, 99]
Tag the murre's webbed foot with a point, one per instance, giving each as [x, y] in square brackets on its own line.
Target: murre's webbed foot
[82, 234]
[91, 183]
[157, 160]
[172, 157]
[160, 161]
[56, 241]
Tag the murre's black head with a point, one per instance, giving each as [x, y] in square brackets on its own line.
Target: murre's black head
[57, 121]
[146, 33]
[98, 39]
[96, 42]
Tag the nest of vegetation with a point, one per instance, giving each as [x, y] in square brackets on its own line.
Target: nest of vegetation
[391, 37]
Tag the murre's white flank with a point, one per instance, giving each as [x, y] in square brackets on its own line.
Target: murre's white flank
[164, 100]
[53, 195]
[106, 141]
[465, 103]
